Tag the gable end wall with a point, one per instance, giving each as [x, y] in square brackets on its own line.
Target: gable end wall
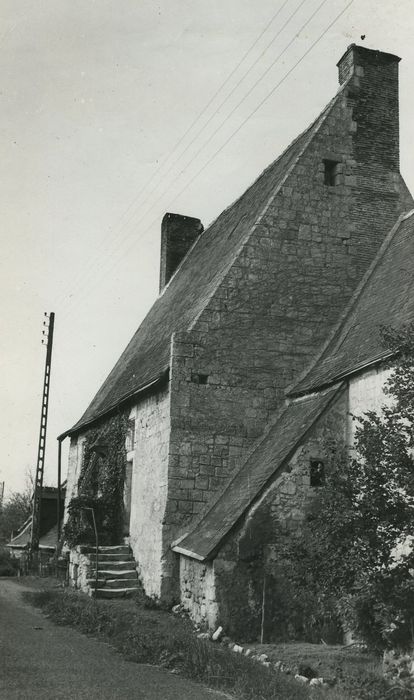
[283, 294]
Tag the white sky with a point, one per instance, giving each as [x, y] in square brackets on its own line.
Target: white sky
[94, 96]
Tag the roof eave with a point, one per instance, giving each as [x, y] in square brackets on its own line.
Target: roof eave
[188, 553]
[344, 376]
[147, 388]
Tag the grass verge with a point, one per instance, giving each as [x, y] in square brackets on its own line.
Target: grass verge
[160, 638]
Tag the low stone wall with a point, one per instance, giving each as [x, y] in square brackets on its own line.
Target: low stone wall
[198, 592]
[398, 668]
[79, 570]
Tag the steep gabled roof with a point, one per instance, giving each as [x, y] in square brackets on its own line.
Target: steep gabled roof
[147, 356]
[269, 454]
[385, 297]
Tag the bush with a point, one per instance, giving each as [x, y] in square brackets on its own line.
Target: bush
[354, 560]
[8, 565]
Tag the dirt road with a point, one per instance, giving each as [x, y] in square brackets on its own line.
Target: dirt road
[41, 660]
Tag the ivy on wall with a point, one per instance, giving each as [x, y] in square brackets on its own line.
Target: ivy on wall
[100, 486]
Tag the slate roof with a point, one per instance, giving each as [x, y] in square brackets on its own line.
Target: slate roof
[270, 453]
[147, 356]
[385, 297]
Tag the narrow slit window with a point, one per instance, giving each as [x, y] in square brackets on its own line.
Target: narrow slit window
[130, 436]
[331, 172]
[317, 473]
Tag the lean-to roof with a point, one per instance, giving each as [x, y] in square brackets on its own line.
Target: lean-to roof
[271, 451]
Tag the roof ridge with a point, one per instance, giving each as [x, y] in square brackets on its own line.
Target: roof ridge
[346, 313]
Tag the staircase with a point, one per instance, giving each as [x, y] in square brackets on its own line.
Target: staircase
[117, 573]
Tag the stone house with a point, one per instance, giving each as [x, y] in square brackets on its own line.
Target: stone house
[223, 559]
[264, 335]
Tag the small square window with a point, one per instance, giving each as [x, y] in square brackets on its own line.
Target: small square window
[330, 172]
[317, 473]
[199, 378]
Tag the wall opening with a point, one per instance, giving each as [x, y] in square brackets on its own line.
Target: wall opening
[317, 472]
[130, 435]
[199, 378]
[330, 172]
[127, 497]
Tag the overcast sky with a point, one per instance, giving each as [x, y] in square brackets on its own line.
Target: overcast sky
[95, 96]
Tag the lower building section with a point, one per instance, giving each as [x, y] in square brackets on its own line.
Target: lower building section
[198, 591]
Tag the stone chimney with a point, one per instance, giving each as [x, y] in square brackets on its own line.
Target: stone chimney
[178, 233]
[373, 84]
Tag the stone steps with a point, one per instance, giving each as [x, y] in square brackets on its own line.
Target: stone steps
[116, 549]
[124, 565]
[125, 583]
[117, 574]
[110, 574]
[105, 556]
[115, 592]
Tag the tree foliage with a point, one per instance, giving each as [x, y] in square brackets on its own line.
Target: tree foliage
[355, 556]
[15, 511]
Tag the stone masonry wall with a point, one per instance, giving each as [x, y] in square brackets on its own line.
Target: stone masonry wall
[74, 468]
[149, 488]
[366, 393]
[285, 291]
[242, 560]
[197, 591]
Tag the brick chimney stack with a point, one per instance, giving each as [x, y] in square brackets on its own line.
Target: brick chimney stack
[178, 233]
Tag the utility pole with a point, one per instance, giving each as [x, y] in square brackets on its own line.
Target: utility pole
[37, 497]
[1, 493]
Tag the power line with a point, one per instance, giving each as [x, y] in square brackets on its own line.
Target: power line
[223, 102]
[236, 131]
[245, 96]
[211, 136]
[269, 94]
[190, 127]
[209, 103]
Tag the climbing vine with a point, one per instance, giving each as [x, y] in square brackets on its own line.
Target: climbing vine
[100, 486]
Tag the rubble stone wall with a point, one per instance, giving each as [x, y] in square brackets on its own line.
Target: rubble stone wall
[366, 393]
[198, 592]
[149, 488]
[246, 555]
[74, 469]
